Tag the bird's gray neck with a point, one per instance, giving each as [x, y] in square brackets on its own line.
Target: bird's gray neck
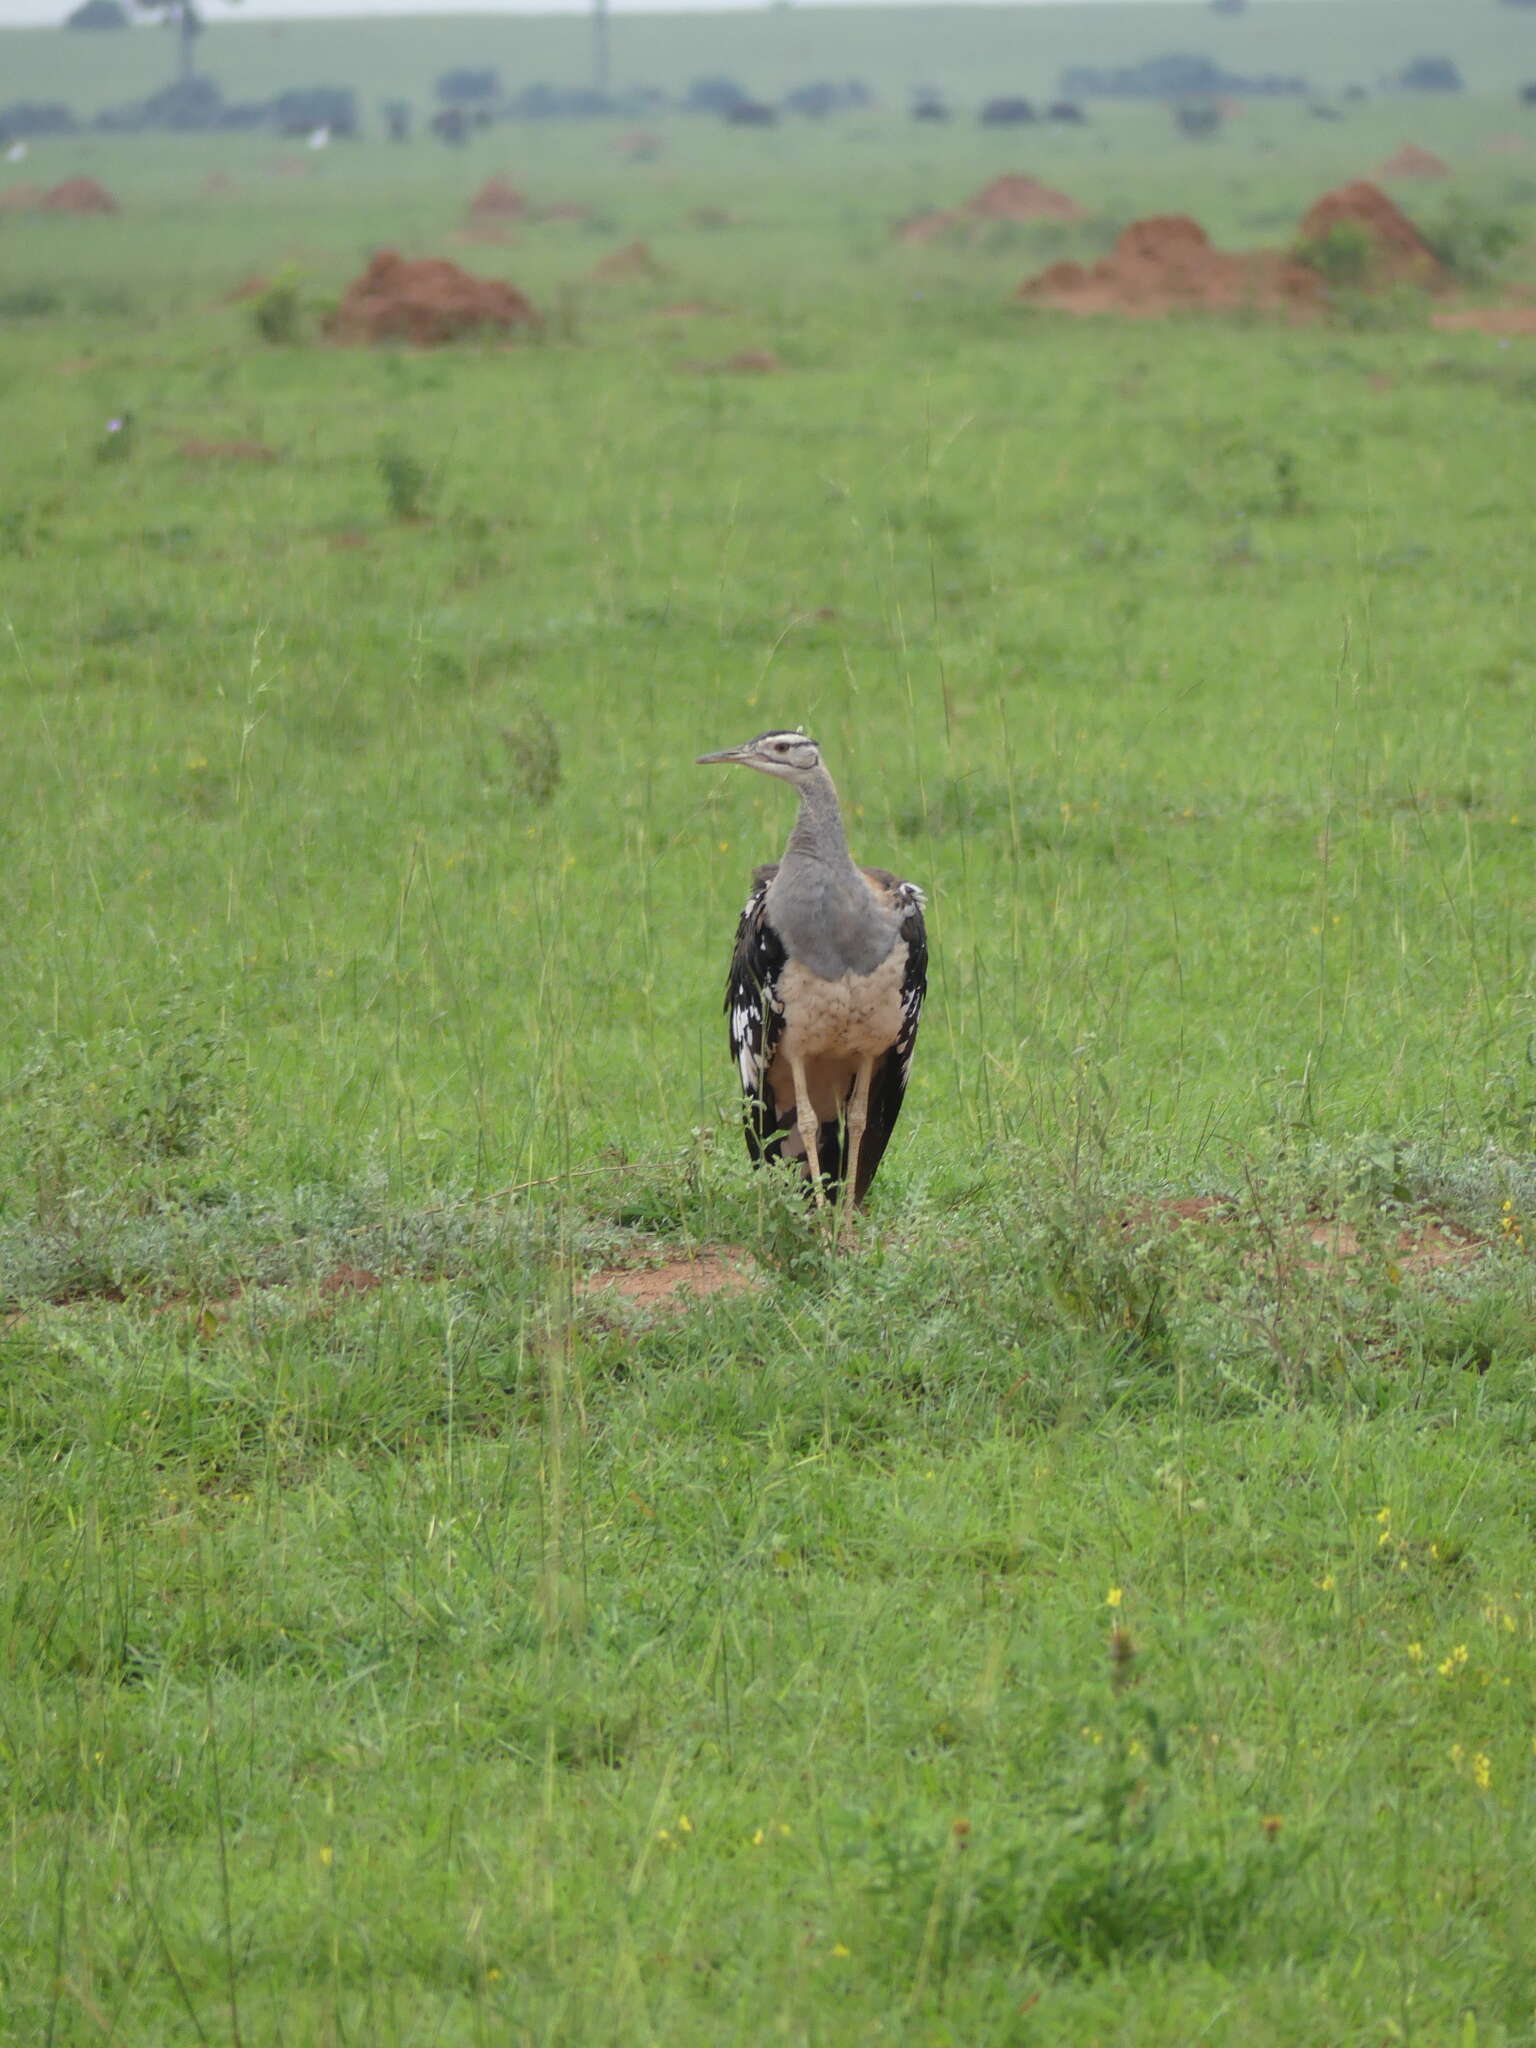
[818, 902]
[818, 834]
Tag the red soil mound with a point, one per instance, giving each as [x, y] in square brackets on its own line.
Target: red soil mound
[426, 303]
[21, 198]
[925, 227]
[1400, 252]
[631, 264]
[1167, 264]
[79, 195]
[496, 199]
[1505, 320]
[1015, 197]
[1412, 162]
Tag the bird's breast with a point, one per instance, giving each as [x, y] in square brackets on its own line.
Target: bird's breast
[854, 1014]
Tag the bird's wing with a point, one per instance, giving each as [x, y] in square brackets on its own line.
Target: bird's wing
[914, 984]
[888, 1086]
[753, 1009]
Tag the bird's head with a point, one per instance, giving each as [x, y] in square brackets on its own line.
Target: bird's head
[791, 756]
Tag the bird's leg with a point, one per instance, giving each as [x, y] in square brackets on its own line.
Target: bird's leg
[857, 1118]
[810, 1132]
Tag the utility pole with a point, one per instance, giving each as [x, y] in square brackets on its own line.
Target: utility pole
[600, 45]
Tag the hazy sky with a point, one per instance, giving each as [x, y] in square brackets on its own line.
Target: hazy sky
[44, 13]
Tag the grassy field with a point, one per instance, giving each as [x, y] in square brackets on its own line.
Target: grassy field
[1100, 1608]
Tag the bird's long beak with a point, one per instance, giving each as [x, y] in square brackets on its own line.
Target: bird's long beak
[728, 754]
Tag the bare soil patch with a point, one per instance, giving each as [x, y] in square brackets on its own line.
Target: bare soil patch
[248, 288]
[1412, 162]
[633, 264]
[927, 226]
[497, 200]
[747, 362]
[1502, 320]
[194, 450]
[1016, 197]
[558, 210]
[677, 1283]
[483, 234]
[79, 195]
[426, 302]
[1167, 264]
[1423, 1245]
[1399, 253]
[1012, 197]
[690, 309]
[350, 1280]
[21, 198]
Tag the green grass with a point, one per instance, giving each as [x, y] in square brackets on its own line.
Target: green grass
[1047, 1623]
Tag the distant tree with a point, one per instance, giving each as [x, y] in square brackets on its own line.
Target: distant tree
[1430, 74]
[1199, 122]
[1006, 113]
[98, 14]
[713, 95]
[459, 87]
[188, 104]
[35, 117]
[303, 108]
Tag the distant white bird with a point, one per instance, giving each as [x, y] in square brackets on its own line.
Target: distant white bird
[320, 138]
[17, 153]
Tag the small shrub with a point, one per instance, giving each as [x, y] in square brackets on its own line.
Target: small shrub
[278, 314]
[1341, 255]
[533, 755]
[29, 302]
[1470, 242]
[406, 481]
[1200, 122]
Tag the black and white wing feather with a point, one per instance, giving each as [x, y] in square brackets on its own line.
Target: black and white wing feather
[888, 1085]
[756, 1017]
